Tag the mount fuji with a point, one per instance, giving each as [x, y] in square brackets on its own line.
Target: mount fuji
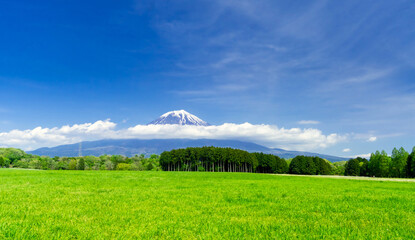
[180, 117]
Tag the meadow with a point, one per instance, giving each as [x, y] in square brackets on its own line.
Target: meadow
[200, 205]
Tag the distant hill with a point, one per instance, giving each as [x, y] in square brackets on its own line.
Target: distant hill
[130, 147]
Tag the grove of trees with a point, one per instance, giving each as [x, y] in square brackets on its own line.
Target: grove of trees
[400, 164]
[310, 166]
[11, 157]
[217, 159]
[211, 159]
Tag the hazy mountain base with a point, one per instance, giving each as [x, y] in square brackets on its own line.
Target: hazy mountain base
[130, 147]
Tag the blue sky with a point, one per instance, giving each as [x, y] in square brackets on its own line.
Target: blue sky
[341, 67]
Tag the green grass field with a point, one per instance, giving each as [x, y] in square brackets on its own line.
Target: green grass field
[192, 205]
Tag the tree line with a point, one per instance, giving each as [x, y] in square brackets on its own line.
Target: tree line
[11, 157]
[216, 159]
[212, 159]
[400, 164]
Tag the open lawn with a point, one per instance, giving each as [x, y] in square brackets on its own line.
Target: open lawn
[194, 205]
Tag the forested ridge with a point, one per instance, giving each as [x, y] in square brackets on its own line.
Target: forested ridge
[400, 164]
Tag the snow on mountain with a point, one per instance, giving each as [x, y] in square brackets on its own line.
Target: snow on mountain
[180, 117]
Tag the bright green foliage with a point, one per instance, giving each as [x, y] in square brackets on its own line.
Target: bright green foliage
[12, 154]
[352, 167]
[72, 164]
[3, 161]
[91, 162]
[385, 162]
[124, 166]
[398, 163]
[338, 168]
[23, 163]
[379, 164]
[20, 159]
[194, 205]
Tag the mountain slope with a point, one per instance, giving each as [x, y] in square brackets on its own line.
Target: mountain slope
[180, 117]
[130, 147]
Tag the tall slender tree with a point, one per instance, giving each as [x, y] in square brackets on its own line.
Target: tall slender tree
[398, 163]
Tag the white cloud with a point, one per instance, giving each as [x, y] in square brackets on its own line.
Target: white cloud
[46, 137]
[347, 150]
[308, 122]
[268, 135]
[367, 155]
[372, 139]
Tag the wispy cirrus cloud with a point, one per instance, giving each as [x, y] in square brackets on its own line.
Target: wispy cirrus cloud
[274, 51]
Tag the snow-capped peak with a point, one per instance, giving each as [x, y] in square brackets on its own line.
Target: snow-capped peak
[180, 117]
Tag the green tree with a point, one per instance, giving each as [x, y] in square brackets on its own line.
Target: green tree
[379, 164]
[352, 167]
[150, 166]
[302, 165]
[123, 167]
[281, 165]
[266, 162]
[2, 161]
[72, 164]
[90, 162]
[323, 167]
[81, 164]
[12, 154]
[137, 166]
[410, 168]
[398, 163]
[116, 159]
[36, 163]
[364, 166]
[385, 162]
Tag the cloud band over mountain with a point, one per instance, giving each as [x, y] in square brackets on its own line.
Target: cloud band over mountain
[268, 135]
